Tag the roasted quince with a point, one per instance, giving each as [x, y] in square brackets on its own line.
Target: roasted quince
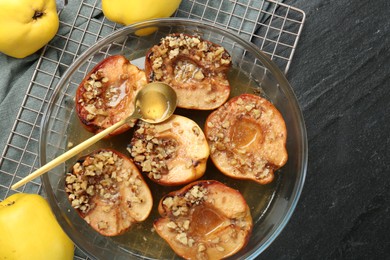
[204, 220]
[197, 70]
[106, 95]
[173, 152]
[247, 138]
[108, 192]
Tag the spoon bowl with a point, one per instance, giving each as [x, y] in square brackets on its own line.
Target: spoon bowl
[155, 102]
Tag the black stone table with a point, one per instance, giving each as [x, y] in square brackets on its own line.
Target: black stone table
[341, 76]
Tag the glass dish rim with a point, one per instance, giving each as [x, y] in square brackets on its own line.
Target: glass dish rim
[298, 187]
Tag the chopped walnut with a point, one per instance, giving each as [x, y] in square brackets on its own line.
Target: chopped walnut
[220, 248]
[151, 153]
[201, 247]
[91, 98]
[98, 175]
[180, 205]
[204, 52]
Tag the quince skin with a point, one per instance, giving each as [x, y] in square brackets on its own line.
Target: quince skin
[29, 230]
[26, 26]
[127, 12]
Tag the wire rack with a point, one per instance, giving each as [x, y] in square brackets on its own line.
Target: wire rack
[273, 26]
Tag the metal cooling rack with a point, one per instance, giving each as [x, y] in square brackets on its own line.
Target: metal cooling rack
[274, 27]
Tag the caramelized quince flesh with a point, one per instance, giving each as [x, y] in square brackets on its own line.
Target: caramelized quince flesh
[108, 192]
[195, 68]
[170, 153]
[106, 95]
[247, 138]
[204, 220]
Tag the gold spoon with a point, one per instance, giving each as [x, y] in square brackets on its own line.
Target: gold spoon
[154, 103]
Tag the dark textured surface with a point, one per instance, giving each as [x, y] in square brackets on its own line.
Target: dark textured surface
[341, 76]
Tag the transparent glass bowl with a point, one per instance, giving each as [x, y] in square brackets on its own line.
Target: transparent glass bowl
[271, 205]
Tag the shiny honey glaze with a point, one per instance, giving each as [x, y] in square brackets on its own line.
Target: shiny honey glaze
[246, 135]
[205, 221]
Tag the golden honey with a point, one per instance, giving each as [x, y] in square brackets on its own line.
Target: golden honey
[154, 105]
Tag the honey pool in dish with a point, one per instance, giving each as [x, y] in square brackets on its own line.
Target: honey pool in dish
[141, 236]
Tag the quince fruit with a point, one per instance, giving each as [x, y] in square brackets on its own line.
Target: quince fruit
[26, 26]
[29, 230]
[127, 12]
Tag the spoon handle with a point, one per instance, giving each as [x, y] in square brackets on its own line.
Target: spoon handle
[69, 154]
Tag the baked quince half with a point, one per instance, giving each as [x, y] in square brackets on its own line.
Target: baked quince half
[106, 95]
[247, 138]
[204, 220]
[173, 152]
[197, 70]
[108, 192]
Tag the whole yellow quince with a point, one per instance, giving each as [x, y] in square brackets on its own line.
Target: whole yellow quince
[29, 230]
[26, 25]
[131, 11]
